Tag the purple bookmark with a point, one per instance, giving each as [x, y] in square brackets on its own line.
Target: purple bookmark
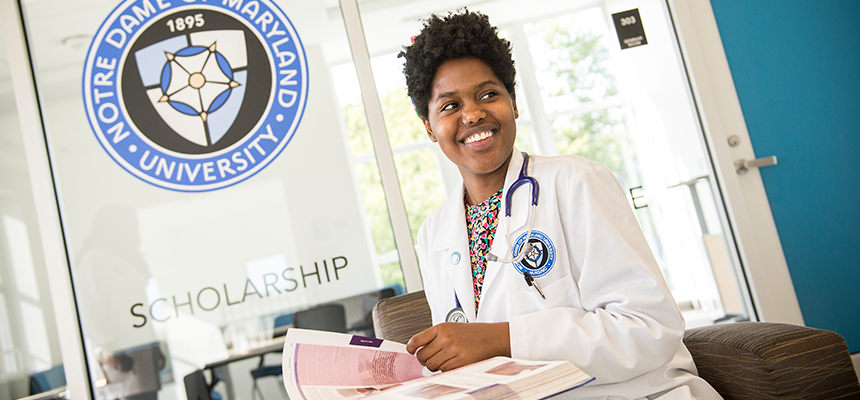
[365, 341]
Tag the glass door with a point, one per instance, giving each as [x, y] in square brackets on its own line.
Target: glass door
[207, 186]
[586, 88]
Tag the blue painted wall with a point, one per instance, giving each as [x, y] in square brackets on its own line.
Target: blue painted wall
[796, 67]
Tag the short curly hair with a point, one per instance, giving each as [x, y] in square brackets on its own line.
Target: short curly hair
[459, 34]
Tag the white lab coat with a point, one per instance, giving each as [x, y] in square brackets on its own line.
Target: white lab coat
[608, 309]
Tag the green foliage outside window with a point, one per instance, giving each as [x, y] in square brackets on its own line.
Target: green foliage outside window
[576, 70]
[357, 130]
[401, 121]
[370, 185]
[420, 184]
[596, 136]
[416, 170]
[577, 59]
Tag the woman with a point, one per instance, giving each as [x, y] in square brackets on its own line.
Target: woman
[586, 288]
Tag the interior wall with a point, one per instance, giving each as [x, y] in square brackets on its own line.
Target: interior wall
[794, 64]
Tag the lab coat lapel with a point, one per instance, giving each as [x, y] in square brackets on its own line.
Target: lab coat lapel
[519, 212]
[453, 238]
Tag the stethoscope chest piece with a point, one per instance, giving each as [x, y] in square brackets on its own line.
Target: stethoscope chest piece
[455, 257]
[456, 315]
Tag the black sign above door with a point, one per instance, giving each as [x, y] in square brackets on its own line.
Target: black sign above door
[628, 25]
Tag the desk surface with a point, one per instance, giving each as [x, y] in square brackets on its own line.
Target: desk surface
[273, 345]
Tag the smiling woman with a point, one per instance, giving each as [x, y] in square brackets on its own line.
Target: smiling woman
[604, 305]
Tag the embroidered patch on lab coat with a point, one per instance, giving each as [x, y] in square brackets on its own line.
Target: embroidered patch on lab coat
[540, 260]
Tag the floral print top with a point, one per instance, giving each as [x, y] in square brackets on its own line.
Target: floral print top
[482, 219]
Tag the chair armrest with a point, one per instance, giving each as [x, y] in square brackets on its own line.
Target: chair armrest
[761, 360]
[399, 318]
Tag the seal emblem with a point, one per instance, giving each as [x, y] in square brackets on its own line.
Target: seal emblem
[195, 97]
[540, 260]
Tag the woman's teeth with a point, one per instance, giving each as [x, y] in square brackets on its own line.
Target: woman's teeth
[478, 136]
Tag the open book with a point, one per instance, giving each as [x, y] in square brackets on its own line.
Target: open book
[334, 366]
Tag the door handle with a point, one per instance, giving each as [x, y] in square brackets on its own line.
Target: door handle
[742, 166]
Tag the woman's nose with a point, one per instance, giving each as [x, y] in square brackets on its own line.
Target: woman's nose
[472, 114]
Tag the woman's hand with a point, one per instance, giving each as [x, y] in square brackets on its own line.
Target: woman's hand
[452, 345]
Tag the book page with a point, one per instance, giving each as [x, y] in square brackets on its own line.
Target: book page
[496, 378]
[352, 367]
[332, 366]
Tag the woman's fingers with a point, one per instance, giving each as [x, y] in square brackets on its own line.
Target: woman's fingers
[451, 345]
[421, 339]
[426, 353]
[435, 361]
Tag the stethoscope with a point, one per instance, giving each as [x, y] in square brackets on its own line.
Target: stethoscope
[457, 314]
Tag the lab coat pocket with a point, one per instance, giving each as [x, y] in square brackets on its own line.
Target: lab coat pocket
[561, 293]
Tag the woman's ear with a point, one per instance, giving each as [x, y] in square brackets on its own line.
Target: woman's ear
[514, 103]
[429, 130]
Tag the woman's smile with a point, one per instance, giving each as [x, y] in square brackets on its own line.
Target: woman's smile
[476, 138]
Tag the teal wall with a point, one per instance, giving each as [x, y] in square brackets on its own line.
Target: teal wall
[796, 67]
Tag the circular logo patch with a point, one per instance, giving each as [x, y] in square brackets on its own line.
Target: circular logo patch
[540, 260]
[195, 97]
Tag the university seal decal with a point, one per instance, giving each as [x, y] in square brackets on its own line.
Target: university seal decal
[540, 260]
[195, 95]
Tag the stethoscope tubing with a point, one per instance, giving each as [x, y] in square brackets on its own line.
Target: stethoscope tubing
[522, 179]
[457, 314]
[526, 247]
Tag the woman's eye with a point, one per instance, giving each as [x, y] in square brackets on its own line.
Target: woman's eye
[488, 95]
[449, 106]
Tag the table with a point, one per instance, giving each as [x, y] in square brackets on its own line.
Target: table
[220, 372]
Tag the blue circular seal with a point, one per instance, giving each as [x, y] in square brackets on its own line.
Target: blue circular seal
[540, 260]
[195, 96]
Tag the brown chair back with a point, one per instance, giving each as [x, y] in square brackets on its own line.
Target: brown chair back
[399, 318]
[763, 360]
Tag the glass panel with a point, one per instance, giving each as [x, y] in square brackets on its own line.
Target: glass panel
[214, 190]
[599, 135]
[414, 157]
[630, 110]
[28, 332]
[571, 59]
